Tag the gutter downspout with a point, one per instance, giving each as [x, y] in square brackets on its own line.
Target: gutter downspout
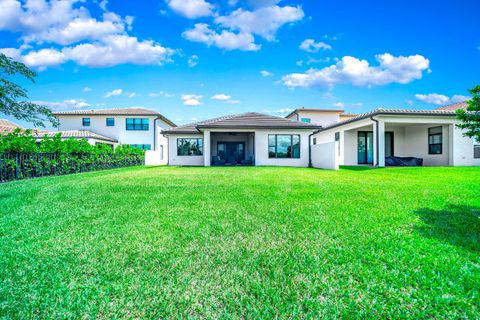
[377, 160]
[310, 165]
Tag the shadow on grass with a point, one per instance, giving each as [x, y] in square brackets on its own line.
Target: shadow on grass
[457, 225]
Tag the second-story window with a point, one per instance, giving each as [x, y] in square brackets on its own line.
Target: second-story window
[110, 122]
[306, 120]
[86, 122]
[137, 124]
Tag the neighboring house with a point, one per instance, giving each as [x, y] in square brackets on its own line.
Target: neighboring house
[322, 117]
[243, 139]
[91, 137]
[367, 139]
[7, 126]
[138, 127]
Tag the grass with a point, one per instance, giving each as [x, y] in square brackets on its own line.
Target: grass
[172, 242]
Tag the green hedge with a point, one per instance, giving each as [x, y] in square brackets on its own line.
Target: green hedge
[21, 156]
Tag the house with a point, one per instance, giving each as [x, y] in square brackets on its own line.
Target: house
[369, 138]
[7, 126]
[91, 137]
[322, 117]
[138, 127]
[242, 139]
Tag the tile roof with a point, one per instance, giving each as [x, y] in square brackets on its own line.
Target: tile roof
[79, 134]
[115, 112]
[381, 111]
[454, 106]
[7, 126]
[249, 120]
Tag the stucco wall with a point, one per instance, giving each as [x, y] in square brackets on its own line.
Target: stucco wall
[175, 160]
[325, 156]
[317, 117]
[416, 145]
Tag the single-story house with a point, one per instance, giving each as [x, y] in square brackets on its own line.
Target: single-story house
[370, 138]
[243, 139]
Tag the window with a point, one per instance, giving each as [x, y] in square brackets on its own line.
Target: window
[307, 120]
[284, 146]
[140, 124]
[314, 140]
[476, 151]
[435, 140]
[86, 122]
[337, 139]
[189, 147]
[141, 146]
[110, 122]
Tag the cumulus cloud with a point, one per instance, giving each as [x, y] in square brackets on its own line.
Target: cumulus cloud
[266, 73]
[440, 99]
[64, 105]
[264, 21]
[191, 99]
[87, 89]
[279, 111]
[224, 40]
[311, 46]
[115, 92]
[193, 61]
[390, 69]
[225, 98]
[160, 94]
[191, 9]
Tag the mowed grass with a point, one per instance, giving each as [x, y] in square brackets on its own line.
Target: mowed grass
[172, 242]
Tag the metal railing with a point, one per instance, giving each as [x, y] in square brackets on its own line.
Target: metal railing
[16, 166]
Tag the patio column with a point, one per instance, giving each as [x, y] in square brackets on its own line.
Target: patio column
[206, 148]
[381, 143]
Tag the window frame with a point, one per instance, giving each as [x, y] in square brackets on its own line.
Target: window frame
[144, 124]
[86, 122]
[111, 124]
[291, 145]
[306, 120]
[197, 143]
[435, 144]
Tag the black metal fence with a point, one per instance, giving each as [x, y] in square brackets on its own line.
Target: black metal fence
[15, 166]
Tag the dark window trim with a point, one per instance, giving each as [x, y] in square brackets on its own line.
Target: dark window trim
[392, 141]
[190, 155]
[110, 125]
[291, 143]
[144, 124]
[476, 146]
[85, 121]
[435, 144]
[365, 160]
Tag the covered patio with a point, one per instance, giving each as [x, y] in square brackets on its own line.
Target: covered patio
[232, 148]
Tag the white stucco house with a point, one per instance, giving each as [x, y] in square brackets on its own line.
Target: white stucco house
[243, 139]
[138, 127]
[370, 138]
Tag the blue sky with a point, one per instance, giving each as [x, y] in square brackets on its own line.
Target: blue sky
[196, 59]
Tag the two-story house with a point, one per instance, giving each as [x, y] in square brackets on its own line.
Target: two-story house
[138, 127]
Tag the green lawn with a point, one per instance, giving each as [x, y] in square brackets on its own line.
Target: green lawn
[242, 243]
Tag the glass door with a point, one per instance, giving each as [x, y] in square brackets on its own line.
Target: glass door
[365, 147]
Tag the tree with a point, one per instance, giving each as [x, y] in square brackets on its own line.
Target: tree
[470, 118]
[14, 98]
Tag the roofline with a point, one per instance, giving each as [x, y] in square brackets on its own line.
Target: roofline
[158, 115]
[444, 113]
[86, 137]
[211, 126]
[313, 110]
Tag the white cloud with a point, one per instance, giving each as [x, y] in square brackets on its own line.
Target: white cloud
[264, 21]
[311, 46]
[131, 94]
[115, 92]
[161, 94]
[119, 49]
[193, 61]
[360, 73]
[279, 111]
[225, 40]
[440, 99]
[266, 73]
[225, 98]
[191, 99]
[262, 3]
[343, 105]
[43, 58]
[64, 105]
[191, 9]
[87, 89]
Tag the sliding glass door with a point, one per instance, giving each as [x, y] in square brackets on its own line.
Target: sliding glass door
[231, 152]
[365, 146]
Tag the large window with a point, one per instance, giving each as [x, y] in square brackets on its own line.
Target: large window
[110, 122]
[86, 122]
[140, 124]
[435, 140]
[284, 146]
[189, 147]
[141, 146]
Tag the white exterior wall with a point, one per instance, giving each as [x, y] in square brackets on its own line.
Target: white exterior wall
[322, 118]
[98, 124]
[325, 156]
[175, 160]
